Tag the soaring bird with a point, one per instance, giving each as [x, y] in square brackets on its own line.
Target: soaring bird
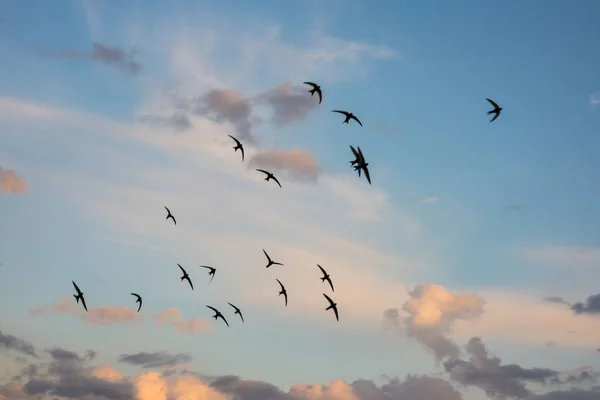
[238, 146]
[79, 296]
[185, 276]
[218, 315]
[333, 306]
[496, 109]
[315, 89]
[348, 115]
[211, 271]
[269, 176]
[270, 262]
[362, 164]
[356, 159]
[237, 311]
[283, 291]
[169, 215]
[139, 300]
[326, 277]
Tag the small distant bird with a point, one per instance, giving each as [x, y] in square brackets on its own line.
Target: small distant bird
[496, 109]
[237, 311]
[316, 89]
[283, 291]
[218, 315]
[326, 277]
[271, 262]
[211, 271]
[79, 296]
[169, 215]
[238, 146]
[139, 300]
[333, 306]
[269, 176]
[348, 115]
[362, 164]
[185, 276]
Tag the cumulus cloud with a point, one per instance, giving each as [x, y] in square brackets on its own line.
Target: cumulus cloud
[158, 359]
[289, 103]
[11, 183]
[298, 163]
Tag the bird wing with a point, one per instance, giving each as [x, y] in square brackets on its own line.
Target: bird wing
[224, 320]
[285, 295]
[314, 85]
[330, 284]
[276, 263]
[320, 95]
[236, 309]
[331, 302]
[280, 284]
[361, 157]
[236, 141]
[182, 270]
[341, 112]
[242, 150]
[187, 278]
[205, 266]
[367, 175]
[136, 295]
[214, 309]
[322, 270]
[266, 255]
[174, 220]
[493, 103]
[355, 153]
[263, 171]
[242, 317]
[169, 211]
[337, 316]
[76, 287]
[83, 303]
[495, 116]
[356, 119]
[276, 180]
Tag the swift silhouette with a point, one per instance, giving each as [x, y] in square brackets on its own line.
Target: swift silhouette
[497, 109]
[211, 271]
[79, 296]
[283, 291]
[269, 176]
[315, 89]
[139, 300]
[185, 276]
[348, 115]
[326, 277]
[362, 165]
[169, 215]
[333, 306]
[218, 315]
[271, 262]
[356, 159]
[237, 311]
[238, 146]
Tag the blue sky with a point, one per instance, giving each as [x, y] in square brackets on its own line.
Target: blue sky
[513, 204]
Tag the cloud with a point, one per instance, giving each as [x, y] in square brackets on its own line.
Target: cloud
[172, 317]
[299, 164]
[594, 99]
[289, 103]
[11, 183]
[560, 256]
[156, 359]
[11, 342]
[590, 306]
[430, 199]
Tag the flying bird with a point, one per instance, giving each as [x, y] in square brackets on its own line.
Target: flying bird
[269, 176]
[79, 296]
[238, 146]
[362, 164]
[315, 89]
[283, 291]
[271, 262]
[185, 276]
[356, 156]
[218, 315]
[211, 271]
[326, 277]
[237, 311]
[333, 306]
[495, 111]
[139, 300]
[348, 115]
[169, 215]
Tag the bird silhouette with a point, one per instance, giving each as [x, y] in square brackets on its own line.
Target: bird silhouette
[326, 277]
[333, 306]
[139, 300]
[218, 315]
[79, 296]
[211, 271]
[185, 276]
[269, 176]
[315, 89]
[270, 262]
[356, 159]
[283, 291]
[497, 109]
[169, 215]
[362, 164]
[237, 311]
[238, 146]
[348, 115]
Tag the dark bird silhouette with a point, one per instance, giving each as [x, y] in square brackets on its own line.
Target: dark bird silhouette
[315, 89]
[139, 300]
[185, 276]
[497, 109]
[211, 271]
[283, 291]
[362, 164]
[218, 315]
[237, 311]
[356, 156]
[326, 277]
[333, 306]
[348, 115]
[79, 296]
[238, 146]
[169, 215]
[269, 176]
[271, 262]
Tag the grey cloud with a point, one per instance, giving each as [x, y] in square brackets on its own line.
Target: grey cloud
[300, 164]
[590, 306]
[557, 300]
[289, 103]
[574, 394]
[155, 359]
[12, 342]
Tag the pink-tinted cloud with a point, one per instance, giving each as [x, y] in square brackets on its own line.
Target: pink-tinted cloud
[11, 183]
[299, 164]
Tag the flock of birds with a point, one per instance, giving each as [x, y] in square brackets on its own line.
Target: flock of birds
[359, 164]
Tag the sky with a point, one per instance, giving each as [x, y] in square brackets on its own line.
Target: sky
[467, 270]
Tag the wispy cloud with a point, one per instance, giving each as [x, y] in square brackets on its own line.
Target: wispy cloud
[157, 359]
[430, 199]
[594, 99]
[299, 164]
[11, 183]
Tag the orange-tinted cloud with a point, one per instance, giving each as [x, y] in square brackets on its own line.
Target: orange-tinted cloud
[11, 183]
